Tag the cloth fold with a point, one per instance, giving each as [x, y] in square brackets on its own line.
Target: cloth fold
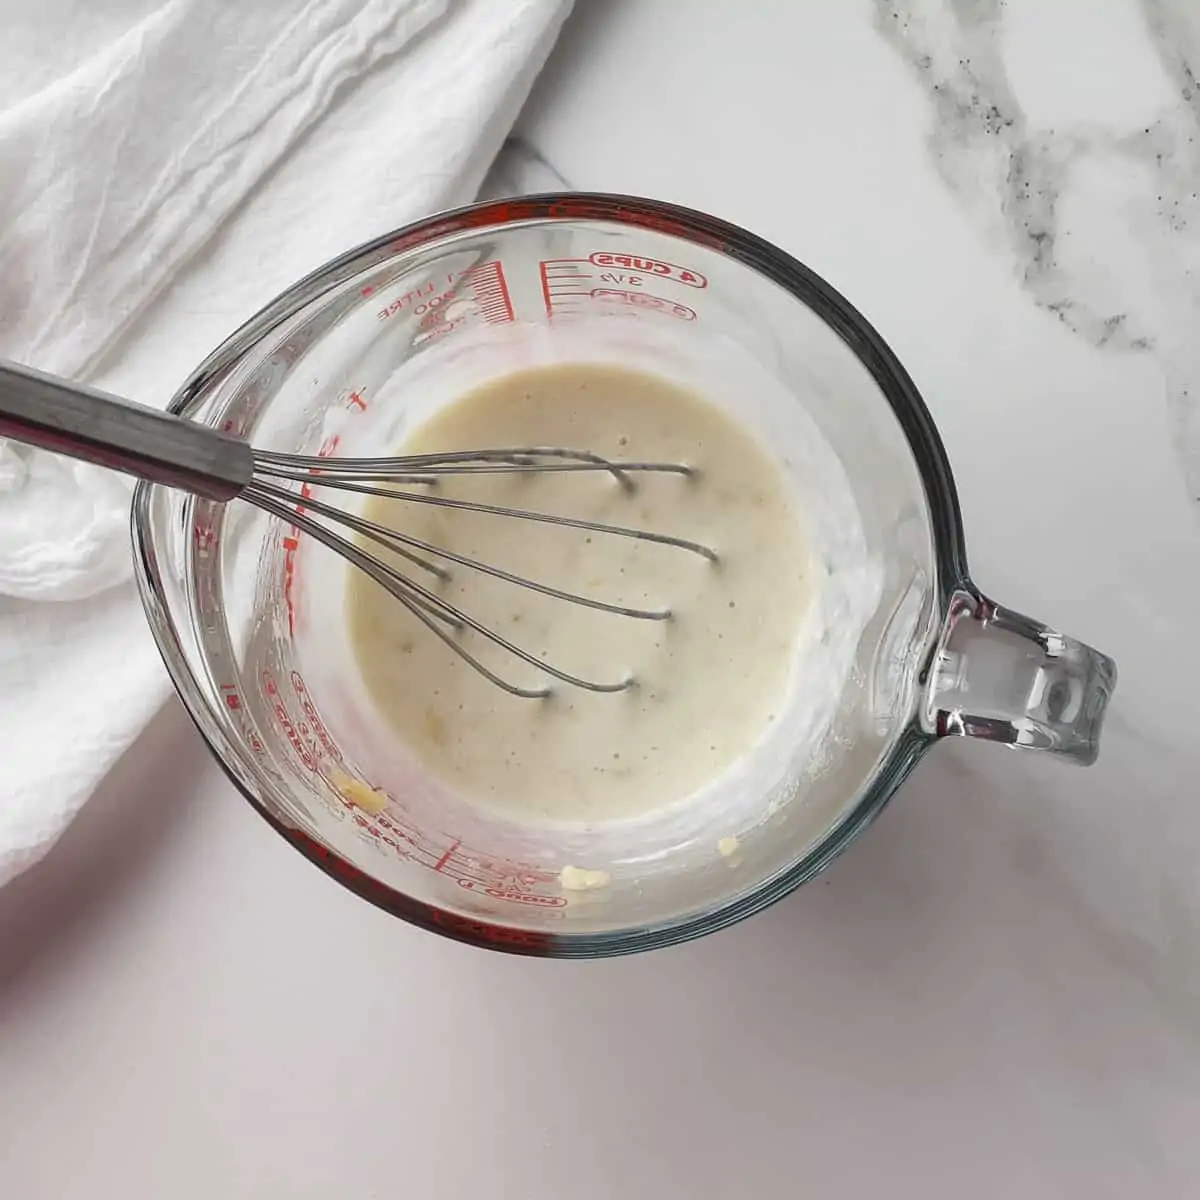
[157, 186]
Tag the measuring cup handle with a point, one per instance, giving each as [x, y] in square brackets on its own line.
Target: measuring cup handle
[1006, 678]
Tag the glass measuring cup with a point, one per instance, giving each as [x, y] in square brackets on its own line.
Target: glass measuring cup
[245, 609]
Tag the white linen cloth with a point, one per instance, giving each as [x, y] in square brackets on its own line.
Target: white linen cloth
[165, 169]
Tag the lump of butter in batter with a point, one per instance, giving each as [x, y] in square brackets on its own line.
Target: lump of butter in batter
[362, 795]
[580, 879]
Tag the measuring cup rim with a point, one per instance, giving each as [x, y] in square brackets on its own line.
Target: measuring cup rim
[714, 234]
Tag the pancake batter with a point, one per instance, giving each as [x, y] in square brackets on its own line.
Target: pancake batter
[709, 681]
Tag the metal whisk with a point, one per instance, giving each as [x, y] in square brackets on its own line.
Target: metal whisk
[56, 414]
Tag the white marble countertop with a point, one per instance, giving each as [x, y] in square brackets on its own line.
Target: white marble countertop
[996, 992]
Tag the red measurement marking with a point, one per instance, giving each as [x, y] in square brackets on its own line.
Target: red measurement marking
[285, 722]
[441, 862]
[570, 284]
[355, 400]
[310, 711]
[436, 326]
[369, 290]
[526, 898]
[500, 880]
[561, 284]
[645, 300]
[291, 542]
[484, 284]
[464, 928]
[490, 289]
[433, 316]
[407, 300]
[648, 266]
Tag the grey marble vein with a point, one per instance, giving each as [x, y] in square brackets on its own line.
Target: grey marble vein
[1060, 200]
[521, 168]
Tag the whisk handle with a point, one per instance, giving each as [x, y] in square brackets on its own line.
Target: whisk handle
[81, 422]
